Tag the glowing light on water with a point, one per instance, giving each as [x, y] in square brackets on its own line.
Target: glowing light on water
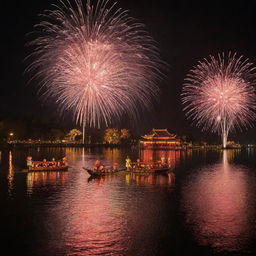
[217, 202]
[10, 176]
[40, 180]
[218, 94]
[95, 61]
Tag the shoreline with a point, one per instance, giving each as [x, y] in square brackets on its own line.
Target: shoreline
[81, 145]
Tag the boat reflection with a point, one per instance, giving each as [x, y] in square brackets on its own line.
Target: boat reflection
[218, 202]
[42, 179]
[103, 178]
[95, 223]
[139, 179]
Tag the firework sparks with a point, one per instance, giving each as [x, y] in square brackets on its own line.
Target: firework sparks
[95, 61]
[218, 94]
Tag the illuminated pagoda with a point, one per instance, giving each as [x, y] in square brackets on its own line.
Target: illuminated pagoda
[160, 139]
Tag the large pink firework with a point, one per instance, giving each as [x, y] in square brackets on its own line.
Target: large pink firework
[95, 61]
[218, 94]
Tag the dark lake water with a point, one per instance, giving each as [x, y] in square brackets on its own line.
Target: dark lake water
[206, 205]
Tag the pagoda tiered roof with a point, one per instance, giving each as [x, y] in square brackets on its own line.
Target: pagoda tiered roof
[160, 139]
[159, 134]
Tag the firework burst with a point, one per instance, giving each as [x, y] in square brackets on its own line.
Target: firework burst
[218, 94]
[95, 61]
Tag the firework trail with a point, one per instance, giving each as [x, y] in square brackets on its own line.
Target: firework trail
[95, 61]
[218, 94]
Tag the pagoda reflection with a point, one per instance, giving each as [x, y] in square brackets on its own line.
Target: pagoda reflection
[150, 179]
[148, 155]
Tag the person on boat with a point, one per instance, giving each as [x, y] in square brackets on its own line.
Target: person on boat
[138, 164]
[52, 163]
[64, 161]
[29, 161]
[97, 165]
[115, 165]
[128, 163]
[103, 168]
[44, 163]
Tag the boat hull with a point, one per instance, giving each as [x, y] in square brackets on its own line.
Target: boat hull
[126, 171]
[151, 170]
[99, 173]
[44, 169]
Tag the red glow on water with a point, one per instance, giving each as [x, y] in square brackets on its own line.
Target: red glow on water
[148, 155]
[217, 207]
[42, 179]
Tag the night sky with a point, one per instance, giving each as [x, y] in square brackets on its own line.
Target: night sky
[185, 32]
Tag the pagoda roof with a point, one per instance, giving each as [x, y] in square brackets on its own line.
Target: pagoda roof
[159, 133]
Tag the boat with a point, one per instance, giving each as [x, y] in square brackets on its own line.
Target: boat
[149, 170]
[143, 170]
[48, 168]
[107, 171]
[138, 167]
[53, 165]
[149, 167]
